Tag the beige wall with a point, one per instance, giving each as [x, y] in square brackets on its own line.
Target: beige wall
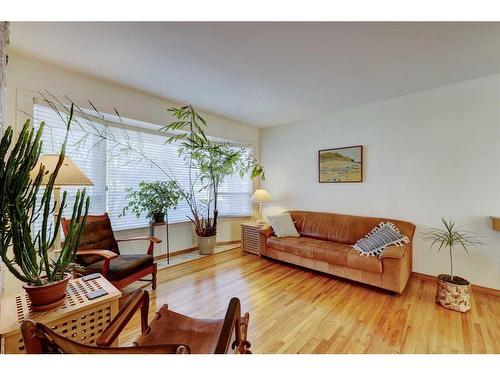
[26, 76]
[427, 155]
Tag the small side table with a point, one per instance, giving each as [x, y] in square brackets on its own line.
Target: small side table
[152, 227]
[250, 236]
[79, 319]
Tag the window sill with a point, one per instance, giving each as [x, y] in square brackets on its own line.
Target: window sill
[225, 217]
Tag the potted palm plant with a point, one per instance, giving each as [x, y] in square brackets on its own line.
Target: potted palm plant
[153, 198]
[209, 162]
[27, 255]
[453, 292]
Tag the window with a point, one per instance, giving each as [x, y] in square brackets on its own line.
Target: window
[91, 160]
[113, 171]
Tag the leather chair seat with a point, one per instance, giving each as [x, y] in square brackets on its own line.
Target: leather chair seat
[123, 265]
[326, 251]
[173, 328]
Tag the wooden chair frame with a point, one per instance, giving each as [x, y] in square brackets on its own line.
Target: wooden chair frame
[39, 339]
[107, 255]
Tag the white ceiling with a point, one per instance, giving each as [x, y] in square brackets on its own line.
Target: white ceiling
[269, 73]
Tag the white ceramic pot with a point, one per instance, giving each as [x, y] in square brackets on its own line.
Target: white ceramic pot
[206, 245]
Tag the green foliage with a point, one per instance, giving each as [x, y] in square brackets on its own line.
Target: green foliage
[215, 160]
[450, 237]
[153, 198]
[208, 161]
[25, 254]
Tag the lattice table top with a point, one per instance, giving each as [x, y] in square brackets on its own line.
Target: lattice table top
[16, 308]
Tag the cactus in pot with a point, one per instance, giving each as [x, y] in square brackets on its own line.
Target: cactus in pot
[27, 255]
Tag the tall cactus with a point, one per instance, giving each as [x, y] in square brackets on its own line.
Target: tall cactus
[26, 254]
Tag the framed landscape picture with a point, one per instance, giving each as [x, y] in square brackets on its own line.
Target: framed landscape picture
[344, 164]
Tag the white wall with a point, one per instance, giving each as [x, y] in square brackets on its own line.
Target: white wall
[427, 155]
[26, 76]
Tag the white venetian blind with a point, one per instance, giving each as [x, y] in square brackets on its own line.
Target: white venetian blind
[127, 169]
[113, 169]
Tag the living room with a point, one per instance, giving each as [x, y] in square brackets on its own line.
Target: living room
[250, 188]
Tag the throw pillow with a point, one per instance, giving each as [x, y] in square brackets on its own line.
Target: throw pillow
[283, 225]
[383, 235]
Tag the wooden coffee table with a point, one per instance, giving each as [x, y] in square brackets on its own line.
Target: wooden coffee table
[79, 319]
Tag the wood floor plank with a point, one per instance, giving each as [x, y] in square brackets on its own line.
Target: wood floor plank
[294, 310]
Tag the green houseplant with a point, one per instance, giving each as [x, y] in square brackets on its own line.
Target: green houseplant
[209, 162]
[27, 255]
[453, 292]
[153, 198]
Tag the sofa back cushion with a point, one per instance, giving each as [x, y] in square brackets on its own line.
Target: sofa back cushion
[346, 229]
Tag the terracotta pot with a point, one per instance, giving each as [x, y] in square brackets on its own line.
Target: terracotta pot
[47, 297]
[206, 245]
[453, 296]
[159, 217]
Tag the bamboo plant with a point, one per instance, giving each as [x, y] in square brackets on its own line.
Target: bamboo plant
[209, 162]
[27, 255]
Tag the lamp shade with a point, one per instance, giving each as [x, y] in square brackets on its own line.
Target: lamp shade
[261, 196]
[69, 173]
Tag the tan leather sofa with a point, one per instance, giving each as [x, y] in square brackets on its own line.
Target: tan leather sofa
[325, 244]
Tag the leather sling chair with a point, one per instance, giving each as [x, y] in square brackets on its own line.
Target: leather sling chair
[167, 333]
[98, 252]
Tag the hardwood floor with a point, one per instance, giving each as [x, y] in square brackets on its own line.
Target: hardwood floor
[293, 310]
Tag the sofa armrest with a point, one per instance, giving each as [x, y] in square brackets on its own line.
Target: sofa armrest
[394, 251]
[266, 231]
[264, 234]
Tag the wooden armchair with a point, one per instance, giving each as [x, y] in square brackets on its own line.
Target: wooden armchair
[168, 333]
[99, 253]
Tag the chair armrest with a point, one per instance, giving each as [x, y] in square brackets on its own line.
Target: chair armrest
[106, 254]
[231, 322]
[267, 231]
[138, 299]
[152, 241]
[148, 238]
[394, 251]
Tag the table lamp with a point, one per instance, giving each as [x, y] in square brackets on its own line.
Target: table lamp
[261, 196]
[69, 175]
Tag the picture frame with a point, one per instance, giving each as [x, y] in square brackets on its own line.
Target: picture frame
[340, 165]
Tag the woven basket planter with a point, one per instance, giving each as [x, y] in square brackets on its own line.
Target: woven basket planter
[453, 296]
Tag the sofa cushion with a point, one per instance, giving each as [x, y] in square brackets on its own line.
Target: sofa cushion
[325, 251]
[346, 229]
[300, 246]
[283, 225]
[364, 263]
[336, 253]
[383, 235]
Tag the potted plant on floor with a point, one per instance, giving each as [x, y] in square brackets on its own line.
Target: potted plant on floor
[453, 292]
[154, 199]
[209, 162]
[27, 255]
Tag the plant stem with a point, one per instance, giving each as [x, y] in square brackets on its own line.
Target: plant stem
[451, 263]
